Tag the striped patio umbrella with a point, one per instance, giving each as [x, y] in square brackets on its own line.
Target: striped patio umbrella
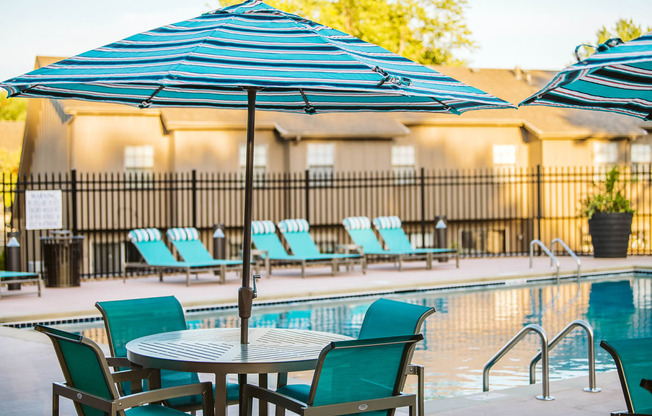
[617, 78]
[255, 57]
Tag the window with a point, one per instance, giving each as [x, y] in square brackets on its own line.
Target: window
[403, 164]
[139, 158]
[605, 153]
[260, 163]
[321, 162]
[641, 153]
[504, 155]
[139, 163]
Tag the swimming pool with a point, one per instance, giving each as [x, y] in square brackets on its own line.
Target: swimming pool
[471, 325]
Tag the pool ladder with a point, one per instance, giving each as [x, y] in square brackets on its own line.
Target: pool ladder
[543, 356]
[553, 260]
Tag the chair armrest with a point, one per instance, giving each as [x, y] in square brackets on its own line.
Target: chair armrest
[119, 362]
[153, 396]
[274, 397]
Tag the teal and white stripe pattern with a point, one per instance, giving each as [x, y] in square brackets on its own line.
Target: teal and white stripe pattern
[183, 234]
[386, 223]
[293, 226]
[141, 235]
[262, 227]
[207, 61]
[617, 78]
[356, 223]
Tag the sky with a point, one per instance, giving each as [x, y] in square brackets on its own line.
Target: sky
[532, 34]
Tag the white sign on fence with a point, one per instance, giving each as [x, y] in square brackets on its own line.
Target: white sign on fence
[43, 210]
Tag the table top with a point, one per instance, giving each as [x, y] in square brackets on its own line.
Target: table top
[218, 350]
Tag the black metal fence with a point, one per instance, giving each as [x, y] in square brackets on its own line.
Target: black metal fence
[489, 212]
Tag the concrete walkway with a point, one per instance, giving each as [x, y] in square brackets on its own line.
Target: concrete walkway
[28, 365]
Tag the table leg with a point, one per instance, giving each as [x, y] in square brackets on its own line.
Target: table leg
[262, 405]
[242, 380]
[221, 401]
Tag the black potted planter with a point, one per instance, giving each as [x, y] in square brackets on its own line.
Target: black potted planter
[610, 233]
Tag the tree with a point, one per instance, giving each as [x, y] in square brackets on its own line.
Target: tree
[624, 29]
[425, 31]
[12, 108]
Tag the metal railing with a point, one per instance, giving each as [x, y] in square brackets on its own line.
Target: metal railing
[592, 388]
[570, 252]
[553, 260]
[544, 359]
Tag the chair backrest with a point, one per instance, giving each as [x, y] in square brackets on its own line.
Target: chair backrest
[359, 228]
[83, 365]
[361, 370]
[633, 361]
[296, 233]
[392, 233]
[150, 246]
[186, 241]
[390, 318]
[263, 235]
[128, 319]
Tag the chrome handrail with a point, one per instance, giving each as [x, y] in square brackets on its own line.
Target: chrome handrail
[591, 353]
[544, 350]
[569, 251]
[553, 259]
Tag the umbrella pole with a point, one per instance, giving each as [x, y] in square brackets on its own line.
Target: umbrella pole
[246, 293]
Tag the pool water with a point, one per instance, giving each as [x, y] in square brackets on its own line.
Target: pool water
[471, 325]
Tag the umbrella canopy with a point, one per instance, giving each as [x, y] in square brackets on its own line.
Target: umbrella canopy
[256, 57]
[617, 78]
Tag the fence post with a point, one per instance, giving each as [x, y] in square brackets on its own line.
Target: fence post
[73, 199]
[423, 208]
[538, 202]
[194, 198]
[307, 192]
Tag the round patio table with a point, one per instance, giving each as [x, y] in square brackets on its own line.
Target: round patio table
[218, 351]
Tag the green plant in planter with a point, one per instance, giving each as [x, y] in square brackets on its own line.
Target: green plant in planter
[610, 199]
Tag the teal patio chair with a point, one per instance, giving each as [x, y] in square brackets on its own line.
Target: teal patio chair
[395, 238]
[352, 377]
[17, 278]
[91, 385]
[187, 243]
[633, 359]
[128, 319]
[296, 233]
[265, 239]
[359, 229]
[157, 256]
[390, 318]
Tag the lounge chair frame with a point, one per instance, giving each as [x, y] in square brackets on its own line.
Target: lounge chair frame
[9, 277]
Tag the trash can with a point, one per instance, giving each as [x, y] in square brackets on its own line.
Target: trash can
[62, 257]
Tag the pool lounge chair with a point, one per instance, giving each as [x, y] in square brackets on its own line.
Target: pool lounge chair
[296, 233]
[351, 377]
[633, 359]
[91, 385]
[187, 243]
[17, 278]
[128, 319]
[396, 240]
[156, 255]
[264, 237]
[359, 229]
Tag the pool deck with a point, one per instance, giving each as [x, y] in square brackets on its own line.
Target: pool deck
[28, 364]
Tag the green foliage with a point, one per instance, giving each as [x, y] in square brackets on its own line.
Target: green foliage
[625, 29]
[609, 198]
[425, 31]
[12, 108]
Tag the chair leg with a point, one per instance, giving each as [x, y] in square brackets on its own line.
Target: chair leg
[223, 273]
[303, 269]
[420, 393]
[55, 403]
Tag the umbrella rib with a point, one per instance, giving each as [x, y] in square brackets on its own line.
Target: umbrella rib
[148, 102]
[309, 109]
